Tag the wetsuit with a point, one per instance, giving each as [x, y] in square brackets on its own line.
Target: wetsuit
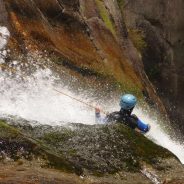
[125, 117]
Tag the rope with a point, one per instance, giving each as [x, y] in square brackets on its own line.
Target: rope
[77, 100]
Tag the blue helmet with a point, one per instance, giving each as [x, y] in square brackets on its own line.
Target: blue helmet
[128, 101]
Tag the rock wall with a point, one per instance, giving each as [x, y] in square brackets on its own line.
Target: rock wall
[88, 34]
[162, 24]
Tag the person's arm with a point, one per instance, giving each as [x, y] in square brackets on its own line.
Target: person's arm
[98, 118]
[141, 126]
[132, 121]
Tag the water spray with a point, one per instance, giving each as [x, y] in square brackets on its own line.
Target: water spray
[35, 99]
[89, 105]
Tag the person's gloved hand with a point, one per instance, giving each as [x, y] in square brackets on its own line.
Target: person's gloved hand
[97, 110]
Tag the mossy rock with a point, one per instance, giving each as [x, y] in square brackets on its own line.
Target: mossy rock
[15, 145]
[98, 149]
[120, 2]
[138, 39]
[104, 14]
[7, 132]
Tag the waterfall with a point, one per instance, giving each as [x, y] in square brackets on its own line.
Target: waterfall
[32, 96]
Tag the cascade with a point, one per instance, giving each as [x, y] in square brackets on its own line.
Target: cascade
[32, 96]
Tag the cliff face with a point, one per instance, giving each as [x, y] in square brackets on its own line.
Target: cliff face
[88, 34]
[162, 24]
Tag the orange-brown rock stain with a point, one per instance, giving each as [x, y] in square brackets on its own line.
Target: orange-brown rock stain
[86, 43]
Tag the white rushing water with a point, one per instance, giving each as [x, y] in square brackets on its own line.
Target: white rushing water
[34, 98]
[4, 34]
[159, 135]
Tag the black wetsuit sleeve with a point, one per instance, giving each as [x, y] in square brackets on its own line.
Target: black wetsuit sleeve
[131, 121]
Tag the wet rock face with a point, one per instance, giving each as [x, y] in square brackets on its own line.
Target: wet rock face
[88, 34]
[4, 15]
[98, 149]
[163, 27]
[73, 4]
[114, 152]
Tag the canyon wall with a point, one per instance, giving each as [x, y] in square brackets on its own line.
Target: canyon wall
[162, 26]
[84, 34]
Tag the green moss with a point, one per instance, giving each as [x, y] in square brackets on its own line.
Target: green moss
[73, 150]
[15, 139]
[120, 2]
[7, 131]
[55, 138]
[137, 37]
[128, 87]
[105, 16]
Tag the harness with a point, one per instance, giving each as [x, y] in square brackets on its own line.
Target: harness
[123, 117]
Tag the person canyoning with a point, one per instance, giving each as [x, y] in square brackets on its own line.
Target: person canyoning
[127, 104]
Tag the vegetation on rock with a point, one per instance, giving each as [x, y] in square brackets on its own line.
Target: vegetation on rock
[137, 37]
[105, 16]
[120, 2]
[97, 149]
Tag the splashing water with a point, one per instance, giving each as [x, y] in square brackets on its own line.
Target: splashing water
[158, 134]
[33, 98]
[4, 34]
